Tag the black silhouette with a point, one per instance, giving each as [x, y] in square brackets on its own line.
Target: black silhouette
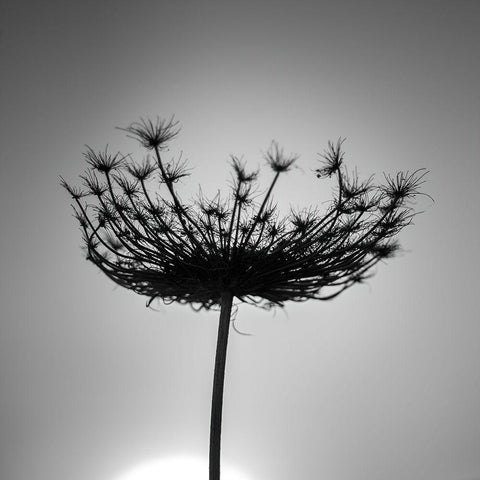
[213, 251]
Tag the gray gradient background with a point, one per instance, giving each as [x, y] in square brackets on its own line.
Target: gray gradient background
[382, 383]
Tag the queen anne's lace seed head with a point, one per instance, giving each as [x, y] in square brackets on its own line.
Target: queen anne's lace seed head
[277, 160]
[333, 160]
[141, 171]
[103, 162]
[153, 243]
[151, 134]
[240, 171]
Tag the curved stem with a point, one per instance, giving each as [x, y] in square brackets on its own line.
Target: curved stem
[218, 382]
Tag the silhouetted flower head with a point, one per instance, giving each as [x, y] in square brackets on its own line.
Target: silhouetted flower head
[277, 160]
[240, 172]
[153, 135]
[333, 160]
[140, 233]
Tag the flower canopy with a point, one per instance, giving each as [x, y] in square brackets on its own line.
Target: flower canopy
[140, 233]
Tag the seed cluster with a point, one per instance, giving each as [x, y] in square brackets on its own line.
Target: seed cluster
[140, 233]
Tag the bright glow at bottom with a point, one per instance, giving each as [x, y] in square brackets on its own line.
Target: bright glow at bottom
[178, 468]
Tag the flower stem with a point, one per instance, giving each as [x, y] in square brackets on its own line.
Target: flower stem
[218, 381]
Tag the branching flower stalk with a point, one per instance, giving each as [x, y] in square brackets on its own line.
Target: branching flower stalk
[140, 233]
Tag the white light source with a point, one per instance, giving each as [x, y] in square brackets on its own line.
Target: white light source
[178, 468]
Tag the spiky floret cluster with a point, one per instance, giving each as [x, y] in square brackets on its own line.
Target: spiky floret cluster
[158, 246]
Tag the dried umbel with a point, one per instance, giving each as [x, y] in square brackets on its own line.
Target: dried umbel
[153, 243]
[140, 233]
